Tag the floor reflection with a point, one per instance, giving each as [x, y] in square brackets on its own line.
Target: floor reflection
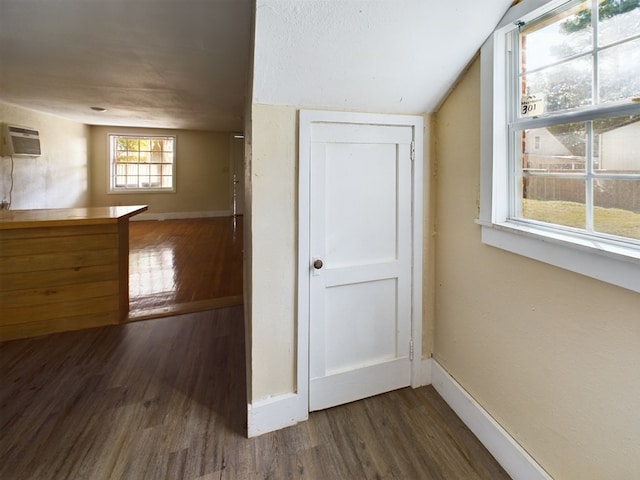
[184, 265]
[152, 272]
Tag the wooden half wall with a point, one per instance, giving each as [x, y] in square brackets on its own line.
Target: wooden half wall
[63, 274]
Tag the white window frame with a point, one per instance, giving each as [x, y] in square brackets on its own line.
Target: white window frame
[113, 189]
[617, 263]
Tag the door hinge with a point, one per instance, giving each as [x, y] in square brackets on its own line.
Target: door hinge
[413, 151]
[411, 350]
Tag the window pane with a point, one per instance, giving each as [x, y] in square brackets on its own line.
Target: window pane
[167, 145]
[565, 86]
[551, 40]
[122, 143]
[133, 157]
[167, 158]
[619, 68]
[617, 207]
[554, 200]
[617, 145]
[554, 149]
[167, 169]
[145, 144]
[156, 155]
[132, 144]
[132, 170]
[167, 182]
[618, 20]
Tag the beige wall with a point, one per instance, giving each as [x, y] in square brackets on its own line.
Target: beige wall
[247, 263]
[56, 179]
[273, 186]
[554, 356]
[203, 169]
[430, 169]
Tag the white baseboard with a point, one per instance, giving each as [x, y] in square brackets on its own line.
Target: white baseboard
[180, 215]
[273, 414]
[509, 454]
[421, 373]
[284, 410]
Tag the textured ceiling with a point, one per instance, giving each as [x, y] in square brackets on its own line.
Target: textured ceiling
[387, 56]
[155, 63]
[186, 63]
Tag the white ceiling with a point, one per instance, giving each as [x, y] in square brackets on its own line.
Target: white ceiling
[154, 63]
[387, 56]
[185, 63]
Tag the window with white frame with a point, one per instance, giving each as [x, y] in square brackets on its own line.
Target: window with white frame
[142, 163]
[561, 136]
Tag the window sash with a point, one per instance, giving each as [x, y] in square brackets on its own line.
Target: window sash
[517, 124]
[145, 167]
[516, 70]
[606, 260]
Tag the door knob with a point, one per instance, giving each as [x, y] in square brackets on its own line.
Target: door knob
[318, 264]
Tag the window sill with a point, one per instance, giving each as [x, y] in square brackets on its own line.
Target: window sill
[138, 191]
[604, 261]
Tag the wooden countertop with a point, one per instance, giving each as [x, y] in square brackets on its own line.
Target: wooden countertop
[61, 217]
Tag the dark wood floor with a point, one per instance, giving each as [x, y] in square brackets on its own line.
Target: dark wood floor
[183, 266]
[165, 399]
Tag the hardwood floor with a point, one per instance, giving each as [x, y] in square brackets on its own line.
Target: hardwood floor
[166, 399]
[183, 266]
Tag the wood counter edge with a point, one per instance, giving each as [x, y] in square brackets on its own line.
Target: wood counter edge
[61, 217]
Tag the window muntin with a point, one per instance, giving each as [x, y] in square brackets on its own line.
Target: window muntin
[579, 176]
[142, 163]
[577, 62]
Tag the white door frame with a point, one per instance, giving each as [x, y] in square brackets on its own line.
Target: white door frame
[233, 138]
[306, 120]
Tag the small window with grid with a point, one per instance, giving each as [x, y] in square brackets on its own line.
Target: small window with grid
[142, 163]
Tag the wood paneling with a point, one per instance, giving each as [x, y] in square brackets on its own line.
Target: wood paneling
[69, 241]
[65, 257]
[165, 399]
[56, 277]
[52, 277]
[43, 261]
[29, 297]
[63, 271]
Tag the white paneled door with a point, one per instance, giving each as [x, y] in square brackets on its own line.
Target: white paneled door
[360, 265]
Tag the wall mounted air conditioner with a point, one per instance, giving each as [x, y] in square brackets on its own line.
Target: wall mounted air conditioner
[21, 141]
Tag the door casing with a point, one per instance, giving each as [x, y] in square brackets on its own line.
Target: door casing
[306, 120]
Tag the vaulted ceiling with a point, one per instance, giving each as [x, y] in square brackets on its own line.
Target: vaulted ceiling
[187, 63]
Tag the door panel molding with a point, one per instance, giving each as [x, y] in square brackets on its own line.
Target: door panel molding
[396, 373]
[357, 122]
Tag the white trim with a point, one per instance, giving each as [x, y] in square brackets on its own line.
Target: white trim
[590, 260]
[273, 414]
[352, 385]
[306, 119]
[421, 375]
[504, 448]
[113, 190]
[596, 258]
[179, 215]
[283, 411]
